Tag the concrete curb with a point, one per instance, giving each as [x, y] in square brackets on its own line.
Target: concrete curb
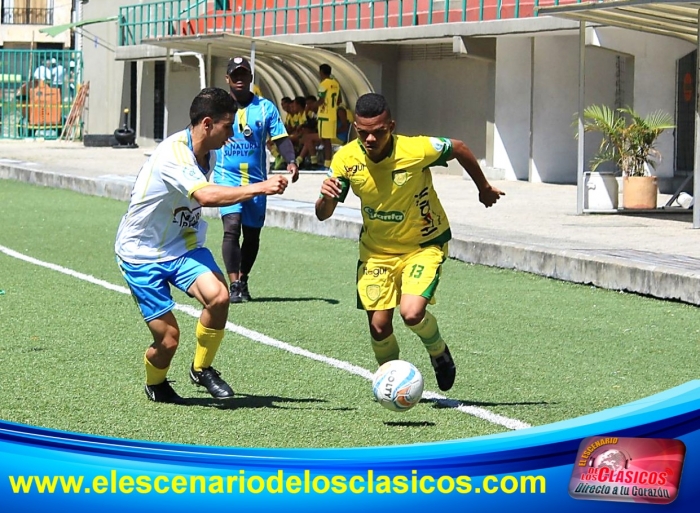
[584, 267]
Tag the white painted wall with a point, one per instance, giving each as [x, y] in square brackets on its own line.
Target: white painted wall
[445, 97]
[145, 87]
[511, 145]
[105, 74]
[555, 100]
[183, 86]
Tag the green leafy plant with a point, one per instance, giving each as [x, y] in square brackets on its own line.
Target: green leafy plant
[628, 139]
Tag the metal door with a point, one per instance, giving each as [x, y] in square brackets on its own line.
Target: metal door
[685, 114]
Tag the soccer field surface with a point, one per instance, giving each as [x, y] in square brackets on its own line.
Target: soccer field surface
[529, 350]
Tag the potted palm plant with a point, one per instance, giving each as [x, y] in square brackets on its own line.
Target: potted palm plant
[628, 141]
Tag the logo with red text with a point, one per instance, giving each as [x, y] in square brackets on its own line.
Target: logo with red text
[643, 470]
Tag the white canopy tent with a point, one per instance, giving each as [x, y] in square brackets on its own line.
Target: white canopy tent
[675, 18]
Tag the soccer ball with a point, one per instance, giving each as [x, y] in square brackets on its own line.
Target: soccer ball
[397, 385]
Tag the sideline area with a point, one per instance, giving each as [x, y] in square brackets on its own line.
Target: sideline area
[534, 228]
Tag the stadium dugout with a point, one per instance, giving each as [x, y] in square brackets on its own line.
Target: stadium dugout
[280, 69]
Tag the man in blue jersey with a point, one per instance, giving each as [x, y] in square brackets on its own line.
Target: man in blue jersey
[241, 162]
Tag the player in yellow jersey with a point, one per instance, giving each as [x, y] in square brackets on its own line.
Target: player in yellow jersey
[328, 98]
[404, 227]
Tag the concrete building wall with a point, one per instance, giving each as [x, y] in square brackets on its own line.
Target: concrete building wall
[515, 111]
[449, 97]
[145, 119]
[183, 86]
[106, 75]
[511, 151]
[554, 101]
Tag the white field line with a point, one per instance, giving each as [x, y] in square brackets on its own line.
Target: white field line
[269, 341]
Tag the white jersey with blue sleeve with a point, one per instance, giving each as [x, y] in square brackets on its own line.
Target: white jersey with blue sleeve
[243, 159]
[163, 220]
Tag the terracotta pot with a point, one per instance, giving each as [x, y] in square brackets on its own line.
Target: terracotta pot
[639, 192]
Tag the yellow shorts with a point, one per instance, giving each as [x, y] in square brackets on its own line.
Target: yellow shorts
[382, 279]
[328, 128]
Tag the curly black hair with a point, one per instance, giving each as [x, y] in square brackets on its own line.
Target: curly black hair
[371, 105]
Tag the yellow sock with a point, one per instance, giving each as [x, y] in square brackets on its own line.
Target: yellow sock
[208, 342]
[327, 163]
[154, 375]
[314, 160]
[427, 330]
[299, 161]
[273, 150]
[386, 350]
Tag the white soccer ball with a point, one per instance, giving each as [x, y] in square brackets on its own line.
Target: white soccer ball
[397, 385]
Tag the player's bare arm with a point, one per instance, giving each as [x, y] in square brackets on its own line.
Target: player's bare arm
[223, 195]
[286, 149]
[330, 192]
[488, 195]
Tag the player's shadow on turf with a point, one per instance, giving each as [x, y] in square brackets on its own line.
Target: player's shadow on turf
[453, 403]
[255, 401]
[330, 301]
[416, 423]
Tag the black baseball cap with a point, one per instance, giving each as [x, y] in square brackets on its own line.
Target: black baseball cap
[237, 62]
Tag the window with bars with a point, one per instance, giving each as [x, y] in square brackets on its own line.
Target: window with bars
[27, 12]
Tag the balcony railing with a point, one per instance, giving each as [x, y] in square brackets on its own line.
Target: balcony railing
[27, 16]
[256, 18]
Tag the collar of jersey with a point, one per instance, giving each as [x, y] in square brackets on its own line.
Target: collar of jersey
[191, 147]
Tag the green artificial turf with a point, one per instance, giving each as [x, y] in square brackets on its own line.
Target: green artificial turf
[527, 348]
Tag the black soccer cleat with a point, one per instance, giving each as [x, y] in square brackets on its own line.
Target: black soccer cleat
[234, 295]
[245, 293]
[210, 378]
[445, 370]
[163, 393]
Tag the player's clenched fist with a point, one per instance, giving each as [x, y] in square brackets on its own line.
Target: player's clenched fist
[330, 188]
[275, 185]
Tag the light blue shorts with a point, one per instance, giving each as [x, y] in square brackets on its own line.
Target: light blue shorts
[150, 283]
[252, 211]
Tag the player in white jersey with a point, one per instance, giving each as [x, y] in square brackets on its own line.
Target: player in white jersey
[160, 242]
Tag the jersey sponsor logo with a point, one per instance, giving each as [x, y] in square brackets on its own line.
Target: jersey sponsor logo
[392, 216]
[186, 218]
[376, 272]
[437, 144]
[399, 177]
[240, 148]
[430, 224]
[351, 170]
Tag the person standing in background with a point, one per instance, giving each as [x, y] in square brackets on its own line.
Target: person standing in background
[243, 161]
[328, 99]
